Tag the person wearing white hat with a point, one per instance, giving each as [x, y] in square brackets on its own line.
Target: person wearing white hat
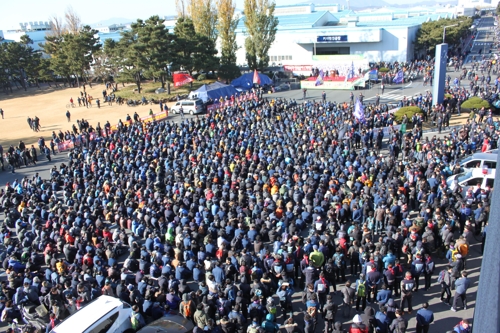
[357, 325]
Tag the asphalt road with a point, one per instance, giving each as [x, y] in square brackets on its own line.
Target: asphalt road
[484, 39]
[444, 318]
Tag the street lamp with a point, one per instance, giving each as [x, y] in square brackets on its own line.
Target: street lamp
[444, 30]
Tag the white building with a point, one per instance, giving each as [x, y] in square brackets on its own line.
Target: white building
[110, 28]
[308, 31]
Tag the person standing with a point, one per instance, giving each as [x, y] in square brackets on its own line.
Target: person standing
[407, 287]
[1, 113]
[445, 280]
[399, 325]
[461, 286]
[181, 112]
[68, 116]
[323, 96]
[429, 270]
[347, 299]
[361, 290]
[304, 91]
[424, 318]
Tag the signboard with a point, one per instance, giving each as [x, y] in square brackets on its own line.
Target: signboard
[332, 39]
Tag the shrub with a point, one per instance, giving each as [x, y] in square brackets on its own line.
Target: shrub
[475, 103]
[383, 70]
[202, 77]
[450, 96]
[409, 111]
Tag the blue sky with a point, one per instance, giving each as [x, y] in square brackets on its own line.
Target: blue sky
[91, 11]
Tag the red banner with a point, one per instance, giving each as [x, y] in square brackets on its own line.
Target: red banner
[181, 78]
[297, 68]
[65, 145]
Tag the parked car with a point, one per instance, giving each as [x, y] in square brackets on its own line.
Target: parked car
[105, 314]
[191, 106]
[482, 177]
[169, 324]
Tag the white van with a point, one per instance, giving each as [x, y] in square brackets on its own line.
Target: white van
[479, 160]
[473, 177]
[105, 314]
[191, 106]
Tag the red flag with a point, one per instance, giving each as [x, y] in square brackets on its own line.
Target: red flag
[181, 78]
[256, 78]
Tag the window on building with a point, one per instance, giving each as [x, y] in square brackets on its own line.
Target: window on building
[332, 50]
[280, 58]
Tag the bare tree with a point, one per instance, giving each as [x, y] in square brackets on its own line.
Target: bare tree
[57, 28]
[73, 20]
[181, 7]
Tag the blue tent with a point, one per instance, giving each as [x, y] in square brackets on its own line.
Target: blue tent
[214, 91]
[245, 82]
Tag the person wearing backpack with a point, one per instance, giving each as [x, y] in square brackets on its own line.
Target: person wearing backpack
[444, 280]
[339, 261]
[312, 307]
[329, 271]
[361, 291]
[136, 319]
[187, 307]
[321, 288]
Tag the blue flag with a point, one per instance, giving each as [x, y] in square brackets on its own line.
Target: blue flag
[359, 112]
[350, 73]
[399, 78]
[319, 79]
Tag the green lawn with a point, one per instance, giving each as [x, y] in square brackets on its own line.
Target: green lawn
[148, 90]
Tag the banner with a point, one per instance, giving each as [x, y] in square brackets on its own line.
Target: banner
[333, 85]
[181, 78]
[241, 98]
[65, 145]
[297, 68]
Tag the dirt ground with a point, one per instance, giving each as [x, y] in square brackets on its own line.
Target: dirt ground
[49, 104]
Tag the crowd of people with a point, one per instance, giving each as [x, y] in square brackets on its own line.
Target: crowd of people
[258, 202]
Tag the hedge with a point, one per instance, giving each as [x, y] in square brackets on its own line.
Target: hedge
[475, 103]
[409, 111]
[383, 70]
[201, 77]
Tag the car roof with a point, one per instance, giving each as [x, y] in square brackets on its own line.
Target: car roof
[478, 172]
[169, 323]
[190, 100]
[88, 315]
[485, 156]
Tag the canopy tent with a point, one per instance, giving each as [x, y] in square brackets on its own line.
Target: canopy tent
[214, 91]
[245, 82]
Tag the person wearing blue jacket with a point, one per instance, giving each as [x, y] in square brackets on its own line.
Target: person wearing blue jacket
[382, 320]
[383, 295]
[424, 318]
[461, 286]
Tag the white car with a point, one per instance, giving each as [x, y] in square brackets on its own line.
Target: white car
[105, 314]
[477, 176]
